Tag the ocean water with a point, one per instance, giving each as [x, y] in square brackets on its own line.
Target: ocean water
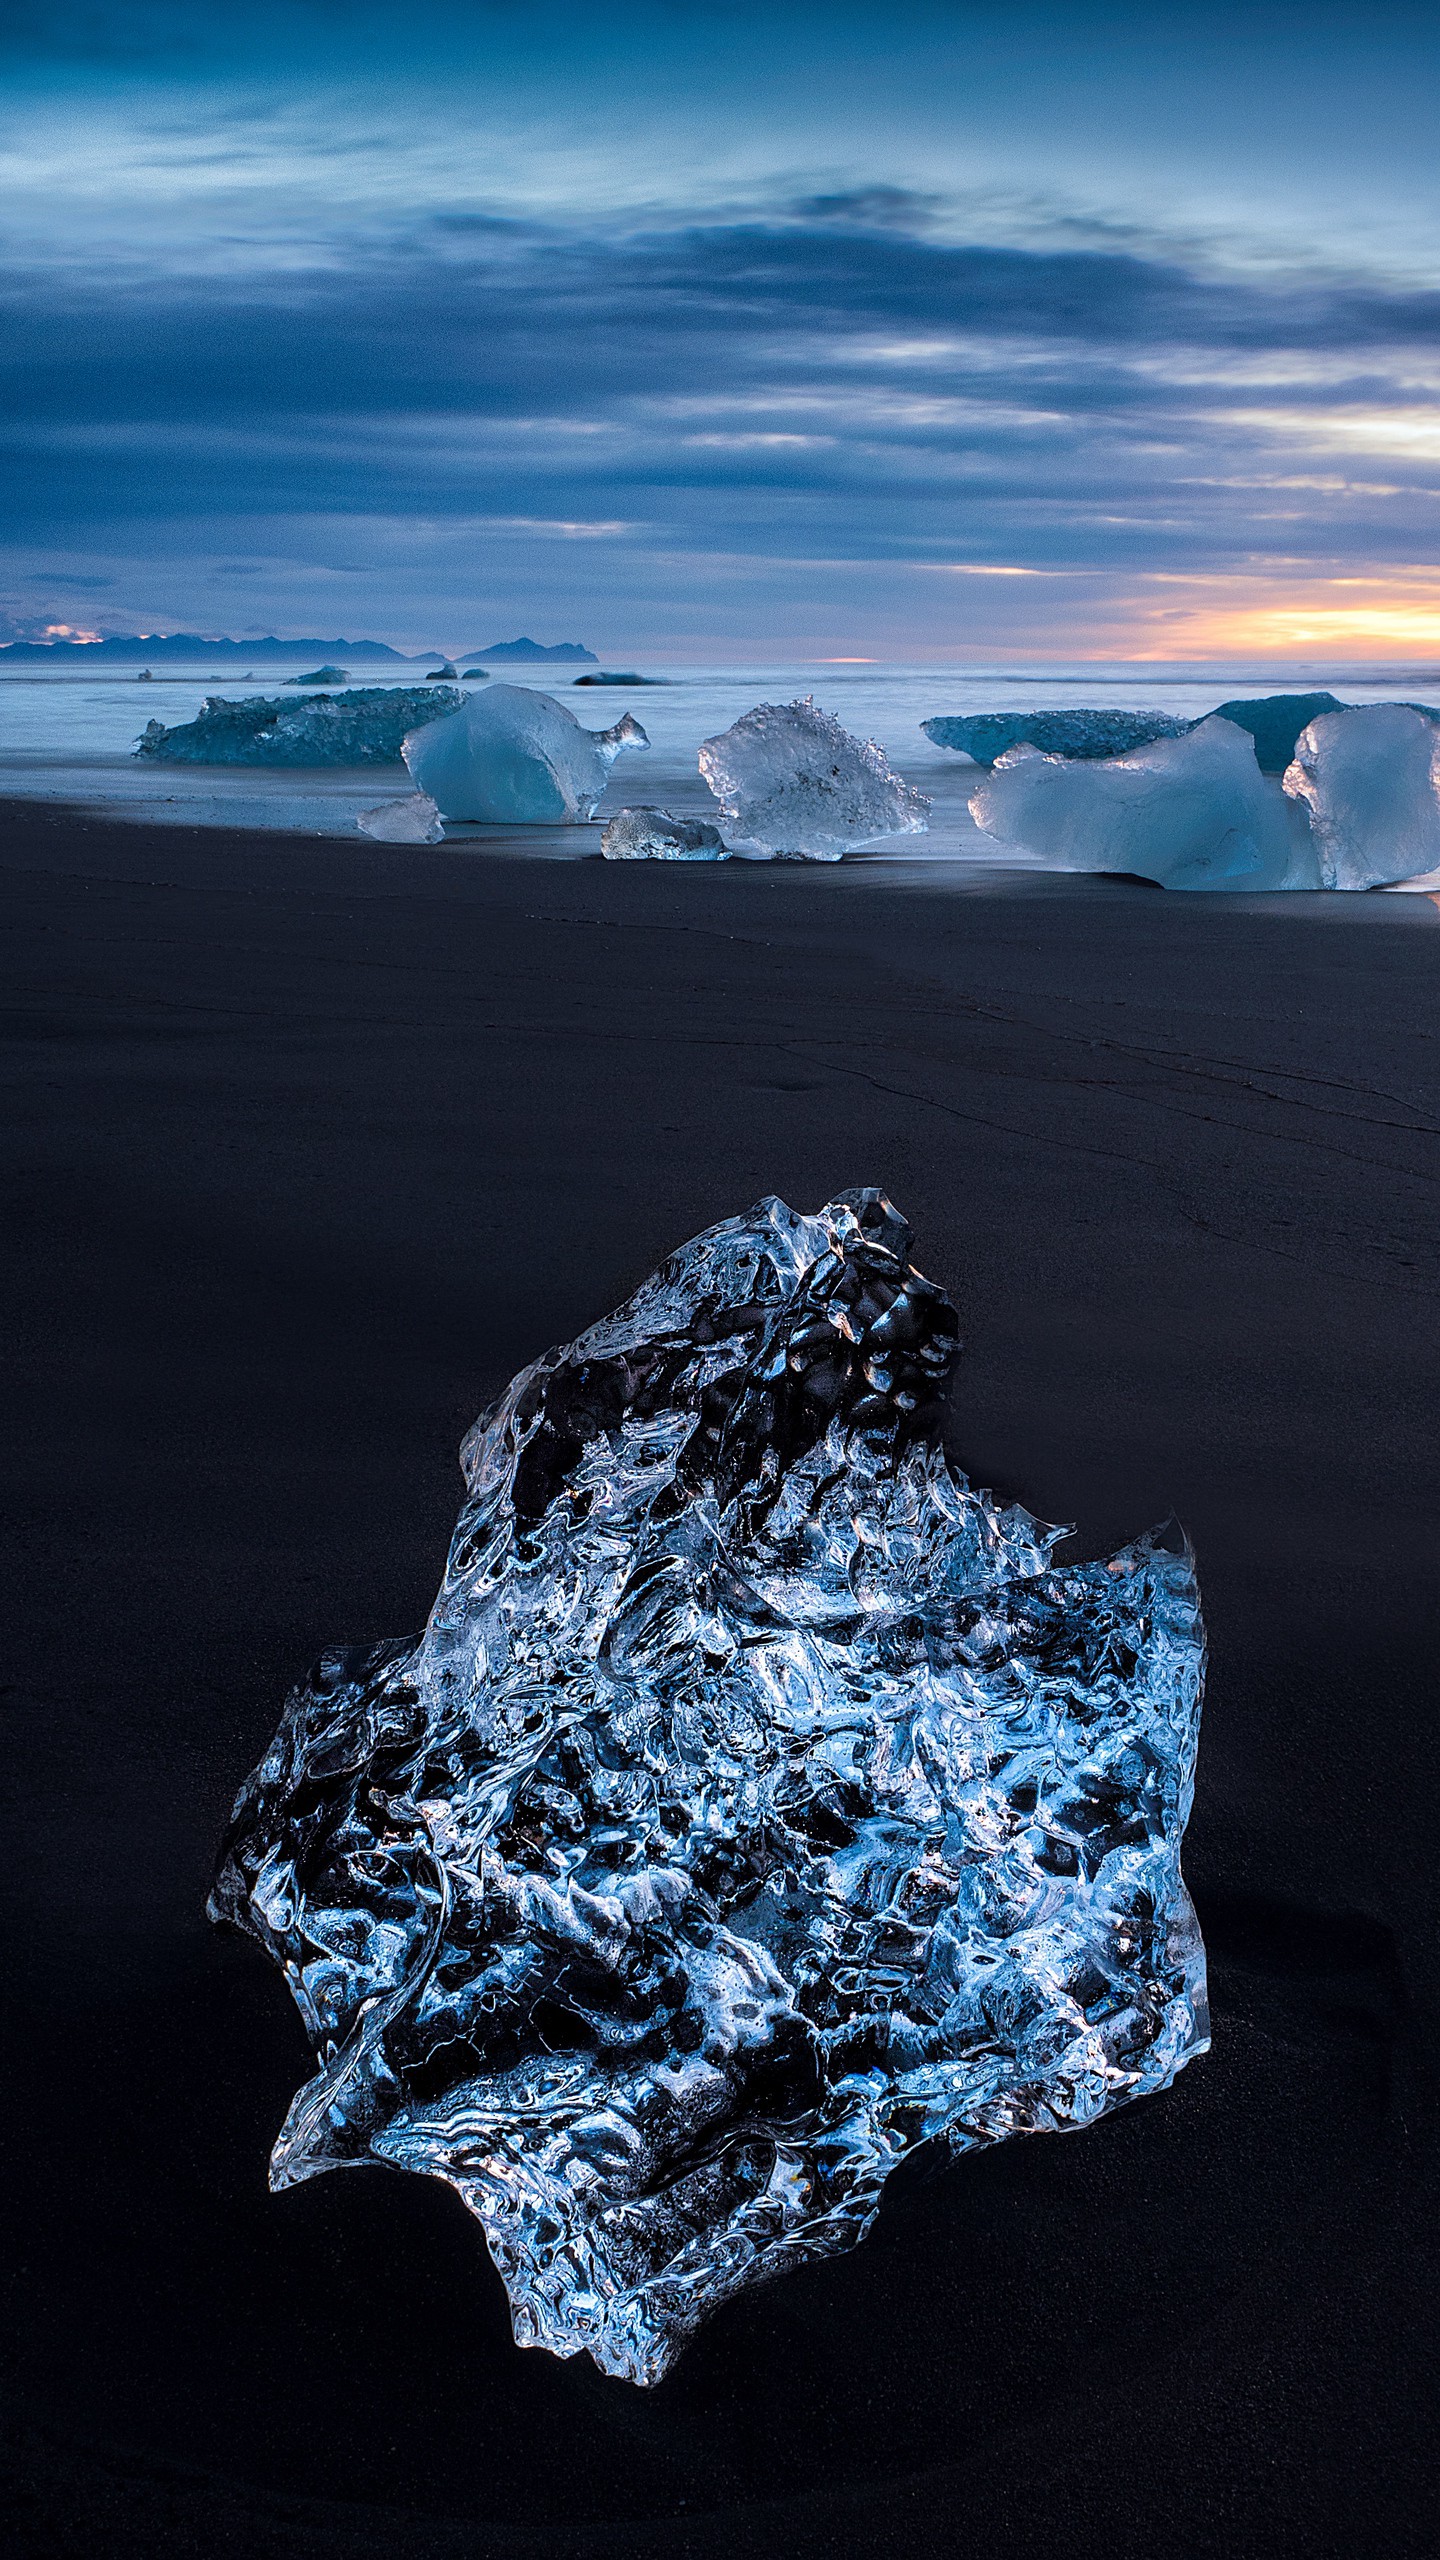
[67, 734]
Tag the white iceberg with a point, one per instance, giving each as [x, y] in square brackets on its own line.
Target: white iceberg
[516, 758]
[790, 780]
[1370, 778]
[1193, 812]
[413, 820]
[653, 835]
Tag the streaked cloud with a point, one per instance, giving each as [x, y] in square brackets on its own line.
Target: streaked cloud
[868, 367]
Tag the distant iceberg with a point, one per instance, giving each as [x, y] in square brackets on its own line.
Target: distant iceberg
[510, 757]
[987, 735]
[531, 652]
[1193, 812]
[367, 726]
[1370, 779]
[792, 782]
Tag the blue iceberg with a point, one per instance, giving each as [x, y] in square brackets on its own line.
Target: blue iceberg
[1193, 812]
[986, 735]
[366, 726]
[514, 757]
[1275, 721]
[760, 1802]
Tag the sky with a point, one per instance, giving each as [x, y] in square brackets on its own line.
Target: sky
[708, 332]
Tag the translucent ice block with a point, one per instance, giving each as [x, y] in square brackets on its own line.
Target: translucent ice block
[653, 835]
[1193, 812]
[517, 758]
[760, 1802]
[790, 780]
[1370, 779]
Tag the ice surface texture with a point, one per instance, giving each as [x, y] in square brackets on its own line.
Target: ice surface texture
[366, 726]
[790, 780]
[517, 758]
[760, 1802]
[652, 835]
[1371, 781]
[987, 734]
[1192, 812]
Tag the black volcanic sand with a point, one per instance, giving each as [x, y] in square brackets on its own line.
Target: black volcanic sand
[309, 1147]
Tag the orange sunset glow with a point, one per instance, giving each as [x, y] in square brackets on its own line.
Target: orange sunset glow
[1385, 617]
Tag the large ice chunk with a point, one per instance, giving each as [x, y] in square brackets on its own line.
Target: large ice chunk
[365, 726]
[653, 835]
[517, 758]
[790, 780]
[986, 735]
[1371, 781]
[760, 1802]
[1192, 812]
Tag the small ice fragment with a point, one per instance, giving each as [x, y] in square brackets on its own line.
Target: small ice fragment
[362, 727]
[1371, 781]
[1193, 812]
[413, 820]
[986, 735]
[511, 757]
[790, 780]
[653, 835]
[321, 675]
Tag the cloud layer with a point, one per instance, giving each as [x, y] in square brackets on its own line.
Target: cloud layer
[821, 417]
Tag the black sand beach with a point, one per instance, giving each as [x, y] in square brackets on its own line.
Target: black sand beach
[308, 1147]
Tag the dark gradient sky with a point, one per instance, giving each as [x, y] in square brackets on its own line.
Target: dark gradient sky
[713, 331]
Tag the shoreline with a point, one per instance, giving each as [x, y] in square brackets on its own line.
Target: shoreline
[53, 825]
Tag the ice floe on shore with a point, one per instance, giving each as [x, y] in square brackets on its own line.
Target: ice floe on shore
[414, 819]
[1359, 806]
[793, 783]
[653, 835]
[1192, 812]
[762, 1803]
[1370, 781]
[510, 757]
[364, 726]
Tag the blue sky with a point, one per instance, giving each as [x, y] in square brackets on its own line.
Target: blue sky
[700, 330]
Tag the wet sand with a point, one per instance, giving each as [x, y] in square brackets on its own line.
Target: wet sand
[309, 1147]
